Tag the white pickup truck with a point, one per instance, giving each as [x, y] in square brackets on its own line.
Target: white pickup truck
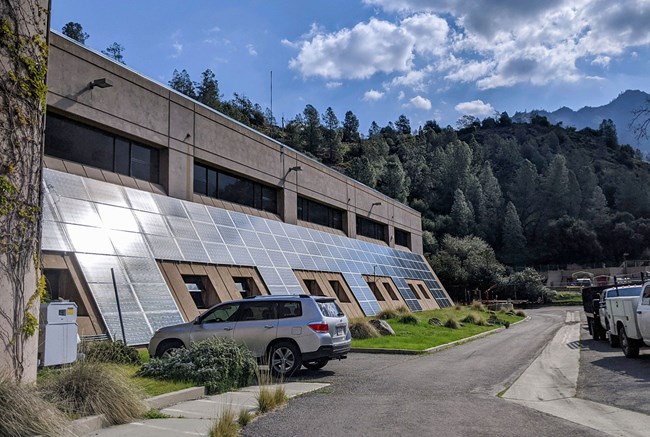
[629, 319]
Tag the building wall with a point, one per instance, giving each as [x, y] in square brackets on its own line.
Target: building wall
[184, 130]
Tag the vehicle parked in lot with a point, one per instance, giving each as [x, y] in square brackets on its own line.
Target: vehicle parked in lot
[288, 330]
[629, 318]
[633, 290]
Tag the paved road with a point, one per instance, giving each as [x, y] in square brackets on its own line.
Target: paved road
[450, 393]
[606, 376]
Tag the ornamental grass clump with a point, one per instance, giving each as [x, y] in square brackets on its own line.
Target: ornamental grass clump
[219, 364]
[225, 425]
[520, 313]
[475, 319]
[88, 388]
[403, 309]
[477, 305]
[387, 314]
[452, 323]
[458, 306]
[25, 412]
[111, 352]
[408, 319]
[361, 329]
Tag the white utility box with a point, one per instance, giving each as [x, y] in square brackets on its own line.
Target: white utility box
[57, 343]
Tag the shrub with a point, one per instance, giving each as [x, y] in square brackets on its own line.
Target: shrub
[361, 329]
[87, 388]
[387, 314]
[402, 309]
[245, 417]
[408, 319]
[270, 398]
[458, 306]
[225, 425]
[475, 319]
[520, 313]
[25, 412]
[111, 352]
[452, 323]
[219, 364]
[434, 321]
[477, 305]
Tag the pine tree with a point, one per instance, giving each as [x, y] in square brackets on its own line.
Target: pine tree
[115, 51]
[461, 215]
[393, 182]
[333, 150]
[312, 137]
[75, 31]
[351, 128]
[513, 240]
[207, 91]
[182, 83]
[493, 205]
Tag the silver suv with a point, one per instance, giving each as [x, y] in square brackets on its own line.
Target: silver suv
[288, 331]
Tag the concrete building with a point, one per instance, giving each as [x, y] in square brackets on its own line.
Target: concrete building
[190, 208]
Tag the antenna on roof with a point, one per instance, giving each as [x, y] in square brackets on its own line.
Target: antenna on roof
[271, 121]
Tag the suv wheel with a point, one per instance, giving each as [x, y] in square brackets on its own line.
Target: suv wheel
[284, 359]
[316, 364]
[167, 347]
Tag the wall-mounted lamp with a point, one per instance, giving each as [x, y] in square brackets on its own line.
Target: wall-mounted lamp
[376, 204]
[100, 83]
[296, 168]
[187, 136]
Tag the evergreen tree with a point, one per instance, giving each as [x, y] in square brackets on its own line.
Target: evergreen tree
[523, 194]
[461, 215]
[490, 226]
[312, 138]
[182, 83]
[393, 182]
[115, 51]
[351, 128]
[359, 168]
[207, 91]
[76, 32]
[403, 125]
[555, 188]
[333, 153]
[513, 240]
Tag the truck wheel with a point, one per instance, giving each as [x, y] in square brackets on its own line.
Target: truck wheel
[612, 339]
[629, 345]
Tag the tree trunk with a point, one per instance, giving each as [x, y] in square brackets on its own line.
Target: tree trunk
[23, 66]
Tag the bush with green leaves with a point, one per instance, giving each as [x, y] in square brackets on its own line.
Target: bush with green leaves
[219, 364]
[111, 352]
[408, 319]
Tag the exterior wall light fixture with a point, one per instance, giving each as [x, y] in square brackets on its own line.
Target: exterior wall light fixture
[376, 203]
[296, 168]
[100, 83]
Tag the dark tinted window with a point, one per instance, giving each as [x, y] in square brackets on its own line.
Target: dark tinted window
[402, 238]
[371, 229]
[321, 214]
[73, 141]
[289, 309]
[232, 188]
[257, 311]
[223, 313]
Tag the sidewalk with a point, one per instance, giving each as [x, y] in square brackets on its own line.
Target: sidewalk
[194, 418]
[549, 385]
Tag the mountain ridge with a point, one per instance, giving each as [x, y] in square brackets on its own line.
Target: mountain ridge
[619, 110]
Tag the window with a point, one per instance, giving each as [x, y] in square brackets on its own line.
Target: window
[245, 286]
[313, 288]
[289, 309]
[321, 214]
[73, 141]
[402, 238]
[371, 229]
[414, 291]
[257, 311]
[196, 288]
[375, 290]
[339, 291]
[390, 290]
[330, 309]
[222, 313]
[424, 292]
[236, 189]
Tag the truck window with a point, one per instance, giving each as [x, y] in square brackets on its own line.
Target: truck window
[646, 294]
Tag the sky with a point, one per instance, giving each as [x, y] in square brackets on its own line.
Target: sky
[426, 59]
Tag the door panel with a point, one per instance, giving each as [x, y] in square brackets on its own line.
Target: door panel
[218, 322]
[256, 326]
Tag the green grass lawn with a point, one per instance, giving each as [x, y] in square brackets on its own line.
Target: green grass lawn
[568, 297]
[423, 336]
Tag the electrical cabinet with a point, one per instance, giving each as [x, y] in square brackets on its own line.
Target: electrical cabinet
[58, 333]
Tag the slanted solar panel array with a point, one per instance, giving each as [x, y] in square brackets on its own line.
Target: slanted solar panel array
[110, 226]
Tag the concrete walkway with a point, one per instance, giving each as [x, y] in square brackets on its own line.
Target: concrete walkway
[549, 385]
[194, 418]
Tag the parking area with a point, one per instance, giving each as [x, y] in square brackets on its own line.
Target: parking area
[607, 377]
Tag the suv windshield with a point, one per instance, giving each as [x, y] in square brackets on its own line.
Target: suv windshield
[329, 308]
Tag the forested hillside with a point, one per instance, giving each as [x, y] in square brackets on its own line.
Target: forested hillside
[536, 192]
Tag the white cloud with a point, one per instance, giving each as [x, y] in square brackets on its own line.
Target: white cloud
[251, 49]
[476, 108]
[419, 102]
[333, 85]
[602, 61]
[357, 53]
[372, 95]
[401, 95]
[176, 45]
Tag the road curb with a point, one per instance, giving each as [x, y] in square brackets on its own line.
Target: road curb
[435, 348]
[175, 397]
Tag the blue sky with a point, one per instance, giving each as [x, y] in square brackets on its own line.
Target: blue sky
[382, 58]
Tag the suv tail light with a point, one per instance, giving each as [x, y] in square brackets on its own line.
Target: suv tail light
[319, 327]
